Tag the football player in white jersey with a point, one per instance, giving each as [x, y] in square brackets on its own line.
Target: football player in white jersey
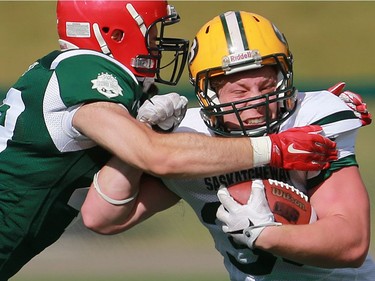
[241, 67]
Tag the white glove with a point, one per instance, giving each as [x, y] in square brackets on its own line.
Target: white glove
[245, 222]
[165, 111]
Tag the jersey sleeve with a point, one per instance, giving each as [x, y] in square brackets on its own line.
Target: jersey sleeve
[193, 123]
[86, 76]
[78, 77]
[339, 123]
[324, 109]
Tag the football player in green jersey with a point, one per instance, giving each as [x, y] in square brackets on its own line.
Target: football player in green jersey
[251, 92]
[75, 107]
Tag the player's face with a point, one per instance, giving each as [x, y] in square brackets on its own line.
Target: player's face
[246, 85]
[152, 36]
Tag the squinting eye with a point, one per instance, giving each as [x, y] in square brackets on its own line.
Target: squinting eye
[268, 90]
[239, 93]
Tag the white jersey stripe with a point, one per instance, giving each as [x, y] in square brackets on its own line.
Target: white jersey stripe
[71, 53]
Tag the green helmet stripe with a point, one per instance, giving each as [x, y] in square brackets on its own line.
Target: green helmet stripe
[242, 31]
[226, 32]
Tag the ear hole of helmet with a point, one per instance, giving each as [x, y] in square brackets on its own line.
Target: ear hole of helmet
[117, 35]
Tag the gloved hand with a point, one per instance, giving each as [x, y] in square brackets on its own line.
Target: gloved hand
[354, 101]
[302, 148]
[164, 111]
[245, 222]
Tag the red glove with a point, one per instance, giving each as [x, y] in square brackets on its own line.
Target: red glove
[354, 101]
[302, 148]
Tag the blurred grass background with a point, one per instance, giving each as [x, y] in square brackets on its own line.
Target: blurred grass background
[331, 42]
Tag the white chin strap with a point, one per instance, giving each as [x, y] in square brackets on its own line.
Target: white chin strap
[213, 96]
[280, 82]
[103, 45]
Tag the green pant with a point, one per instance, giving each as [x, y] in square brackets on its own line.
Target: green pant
[30, 221]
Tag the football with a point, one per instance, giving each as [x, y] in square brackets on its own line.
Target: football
[287, 203]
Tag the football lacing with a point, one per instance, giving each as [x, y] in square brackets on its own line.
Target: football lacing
[291, 187]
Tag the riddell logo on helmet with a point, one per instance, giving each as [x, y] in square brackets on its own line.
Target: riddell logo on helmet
[247, 55]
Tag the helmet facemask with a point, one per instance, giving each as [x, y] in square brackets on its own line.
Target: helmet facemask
[213, 111]
[167, 56]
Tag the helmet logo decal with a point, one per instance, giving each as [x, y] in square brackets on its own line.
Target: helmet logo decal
[78, 29]
[107, 85]
[237, 58]
[279, 34]
[193, 50]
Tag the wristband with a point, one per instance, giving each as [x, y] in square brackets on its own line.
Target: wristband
[261, 150]
[109, 199]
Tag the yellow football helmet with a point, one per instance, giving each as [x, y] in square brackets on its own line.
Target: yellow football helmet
[239, 41]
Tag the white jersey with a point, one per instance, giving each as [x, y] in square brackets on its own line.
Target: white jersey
[339, 123]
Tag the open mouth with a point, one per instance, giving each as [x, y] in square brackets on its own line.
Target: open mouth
[250, 123]
[260, 121]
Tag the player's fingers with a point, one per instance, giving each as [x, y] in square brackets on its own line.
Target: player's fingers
[228, 202]
[323, 142]
[222, 215]
[316, 165]
[257, 191]
[353, 97]
[225, 228]
[311, 129]
[327, 155]
[319, 146]
[362, 108]
[320, 154]
[337, 88]
[366, 119]
[326, 166]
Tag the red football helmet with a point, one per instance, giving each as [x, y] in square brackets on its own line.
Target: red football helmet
[130, 31]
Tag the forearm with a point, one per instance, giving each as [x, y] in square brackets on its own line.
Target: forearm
[192, 154]
[326, 243]
[104, 218]
[197, 155]
[116, 181]
[119, 181]
[189, 155]
[340, 237]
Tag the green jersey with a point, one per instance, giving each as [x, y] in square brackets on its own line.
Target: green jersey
[43, 158]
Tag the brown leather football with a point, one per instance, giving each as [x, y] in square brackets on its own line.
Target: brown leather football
[287, 203]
